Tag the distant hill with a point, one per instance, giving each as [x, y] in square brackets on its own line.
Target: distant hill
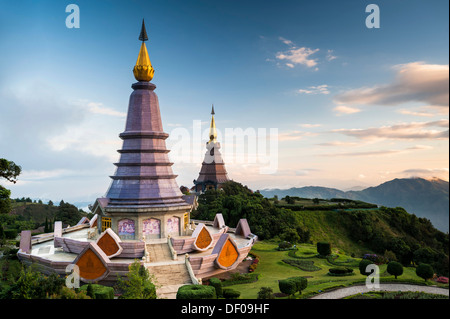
[38, 212]
[422, 197]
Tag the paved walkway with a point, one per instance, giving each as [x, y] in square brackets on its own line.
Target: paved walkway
[349, 291]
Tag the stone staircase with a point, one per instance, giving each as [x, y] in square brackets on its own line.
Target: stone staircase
[169, 274]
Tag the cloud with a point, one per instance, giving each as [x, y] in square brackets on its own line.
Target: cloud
[98, 108]
[286, 41]
[426, 172]
[342, 109]
[308, 125]
[338, 144]
[415, 130]
[320, 89]
[330, 56]
[414, 82]
[376, 152]
[293, 135]
[296, 56]
[415, 113]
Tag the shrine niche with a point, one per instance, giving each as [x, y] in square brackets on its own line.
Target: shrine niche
[109, 242]
[227, 252]
[92, 263]
[151, 228]
[126, 228]
[173, 226]
[204, 238]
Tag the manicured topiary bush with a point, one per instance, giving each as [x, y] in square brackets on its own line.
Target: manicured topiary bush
[287, 286]
[300, 282]
[340, 271]
[395, 268]
[196, 292]
[99, 291]
[284, 245]
[229, 293]
[424, 271]
[265, 293]
[363, 265]
[324, 249]
[217, 284]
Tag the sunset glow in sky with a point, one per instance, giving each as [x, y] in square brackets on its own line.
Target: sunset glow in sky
[352, 106]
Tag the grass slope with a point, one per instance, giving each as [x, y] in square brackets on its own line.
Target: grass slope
[271, 268]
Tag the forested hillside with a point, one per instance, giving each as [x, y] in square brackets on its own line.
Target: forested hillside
[353, 230]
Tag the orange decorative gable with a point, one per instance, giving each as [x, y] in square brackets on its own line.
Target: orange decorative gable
[204, 239]
[109, 242]
[227, 251]
[92, 263]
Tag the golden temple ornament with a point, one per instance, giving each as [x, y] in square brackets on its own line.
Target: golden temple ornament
[143, 70]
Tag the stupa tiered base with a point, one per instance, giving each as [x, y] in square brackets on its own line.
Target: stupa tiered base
[211, 249]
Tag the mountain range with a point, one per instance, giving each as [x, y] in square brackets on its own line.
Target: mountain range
[421, 197]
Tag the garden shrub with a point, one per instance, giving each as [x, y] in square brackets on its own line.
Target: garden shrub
[10, 233]
[217, 284]
[395, 268]
[305, 265]
[265, 293]
[340, 271]
[284, 245]
[196, 292]
[363, 265]
[229, 293]
[287, 286]
[324, 249]
[99, 291]
[237, 278]
[424, 271]
[301, 283]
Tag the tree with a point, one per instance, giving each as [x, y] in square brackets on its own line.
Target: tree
[300, 282]
[395, 268]
[138, 285]
[265, 293]
[2, 236]
[290, 235]
[424, 271]
[5, 201]
[9, 170]
[324, 248]
[46, 226]
[363, 266]
[287, 286]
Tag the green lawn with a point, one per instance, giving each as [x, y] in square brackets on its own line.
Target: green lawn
[271, 269]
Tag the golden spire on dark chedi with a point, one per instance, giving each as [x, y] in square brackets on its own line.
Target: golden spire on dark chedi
[212, 128]
[143, 70]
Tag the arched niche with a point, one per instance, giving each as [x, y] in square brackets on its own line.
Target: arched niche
[151, 228]
[173, 226]
[126, 228]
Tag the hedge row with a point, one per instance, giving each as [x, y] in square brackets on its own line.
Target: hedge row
[196, 292]
[100, 291]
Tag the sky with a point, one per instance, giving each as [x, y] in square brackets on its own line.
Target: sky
[341, 105]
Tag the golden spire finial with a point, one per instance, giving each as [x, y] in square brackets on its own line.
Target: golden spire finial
[143, 70]
[212, 129]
